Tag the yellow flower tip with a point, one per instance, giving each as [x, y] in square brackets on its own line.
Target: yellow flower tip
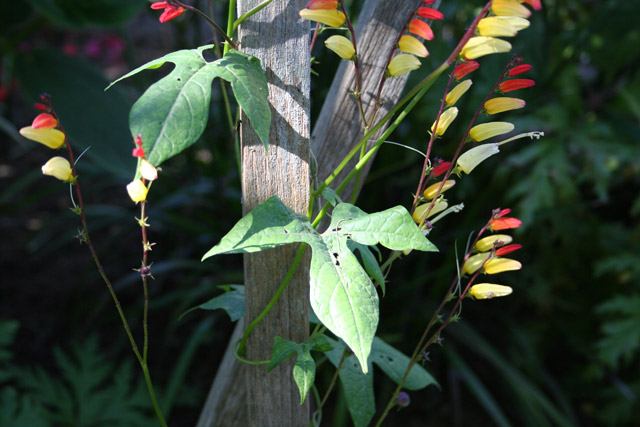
[148, 171]
[52, 138]
[410, 44]
[481, 46]
[420, 214]
[502, 104]
[487, 243]
[494, 26]
[137, 190]
[402, 64]
[455, 93]
[342, 46]
[332, 18]
[474, 262]
[489, 290]
[446, 119]
[58, 167]
[468, 161]
[432, 190]
[489, 130]
[509, 8]
[499, 265]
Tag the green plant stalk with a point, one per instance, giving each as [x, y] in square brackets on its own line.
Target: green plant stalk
[252, 12]
[230, 20]
[285, 282]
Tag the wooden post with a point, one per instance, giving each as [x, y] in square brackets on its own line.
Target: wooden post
[280, 39]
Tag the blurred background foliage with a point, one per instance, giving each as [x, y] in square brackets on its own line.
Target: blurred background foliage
[562, 350]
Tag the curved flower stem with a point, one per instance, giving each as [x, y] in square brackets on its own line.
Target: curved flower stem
[294, 265]
[209, 20]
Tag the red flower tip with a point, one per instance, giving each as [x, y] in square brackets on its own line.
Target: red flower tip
[501, 213]
[504, 223]
[535, 4]
[465, 68]
[421, 29]
[519, 70]
[322, 4]
[138, 152]
[509, 85]
[507, 249]
[440, 169]
[429, 13]
[138, 141]
[429, 1]
[41, 107]
[44, 121]
[159, 5]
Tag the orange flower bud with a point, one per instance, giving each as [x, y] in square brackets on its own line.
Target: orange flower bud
[515, 84]
[430, 13]
[465, 68]
[519, 69]
[44, 121]
[421, 29]
[322, 4]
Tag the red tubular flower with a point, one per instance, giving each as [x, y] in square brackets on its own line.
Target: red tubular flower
[440, 169]
[322, 4]
[170, 11]
[519, 70]
[421, 29]
[138, 151]
[507, 249]
[533, 3]
[515, 84]
[503, 212]
[428, 2]
[41, 107]
[465, 68]
[44, 121]
[504, 223]
[429, 13]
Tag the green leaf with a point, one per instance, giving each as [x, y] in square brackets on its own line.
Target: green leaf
[342, 294]
[320, 343]
[282, 350]
[231, 301]
[359, 387]
[172, 113]
[370, 263]
[304, 371]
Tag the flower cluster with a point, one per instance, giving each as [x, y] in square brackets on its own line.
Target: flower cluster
[508, 17]
[44, 130]
[138, 189]
[489, 258]
[412, 46]
[169, 12]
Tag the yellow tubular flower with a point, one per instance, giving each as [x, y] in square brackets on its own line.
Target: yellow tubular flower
[457, 92]
[52, 138]
[516, 22]
[489, 130]
[137, 190]
[474, 262]
[332, 18]
[342, 46]
[509, 8]
[472, 158]
[148, 171]
[402, 64]
[58, 167]
[489, 290]
[499, 265]
[420, 214]
[502, 104]
[410, 44]
[481, 46]
[446, 119]
[432, 190]
[487, 243]
[496, 27]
